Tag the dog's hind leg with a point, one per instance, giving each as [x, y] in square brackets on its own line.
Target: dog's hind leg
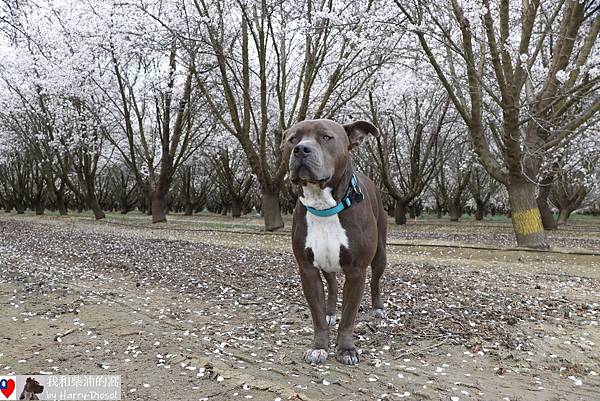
[332, 291]
[378, 265]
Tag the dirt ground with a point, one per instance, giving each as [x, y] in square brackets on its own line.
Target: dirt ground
[183, 313]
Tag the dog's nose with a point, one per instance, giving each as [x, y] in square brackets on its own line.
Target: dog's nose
[302, 150]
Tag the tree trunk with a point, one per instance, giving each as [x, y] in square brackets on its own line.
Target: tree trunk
[188, 208]
[564, 215]
[542, 202]
[91, 198]
[438, 208]
[525, 215]
[39, 208]
[159, 206]
[400, 213]
[271, 210]
[236, 208]
[60, 203]
[124, 205]
[479, 210]
[98, 212]
[148, 208]
[145, 201]
[454, 211]
[546, 214]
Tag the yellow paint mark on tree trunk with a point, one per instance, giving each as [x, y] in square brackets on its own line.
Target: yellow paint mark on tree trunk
[527, 222]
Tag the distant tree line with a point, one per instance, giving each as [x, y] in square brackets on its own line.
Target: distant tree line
[180, 106]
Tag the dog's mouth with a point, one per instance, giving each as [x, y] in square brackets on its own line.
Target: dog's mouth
[322, 183]
[302, 175]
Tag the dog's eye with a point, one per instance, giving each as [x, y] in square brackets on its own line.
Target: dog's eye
[326, 137]
[293, 139]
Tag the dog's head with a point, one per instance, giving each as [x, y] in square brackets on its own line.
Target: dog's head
[318, 150]
[33, 386]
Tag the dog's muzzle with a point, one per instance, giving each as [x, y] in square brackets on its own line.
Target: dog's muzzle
[305, 164]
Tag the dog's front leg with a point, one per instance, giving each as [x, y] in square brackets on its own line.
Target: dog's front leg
[312, 285]
[332, 290]
[354, 286]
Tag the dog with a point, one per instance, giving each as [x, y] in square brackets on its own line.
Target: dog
[339, 226]
[32, 387]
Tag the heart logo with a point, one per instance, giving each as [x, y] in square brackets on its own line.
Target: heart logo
[7, 387]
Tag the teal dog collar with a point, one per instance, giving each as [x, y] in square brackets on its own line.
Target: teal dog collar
[346, 202]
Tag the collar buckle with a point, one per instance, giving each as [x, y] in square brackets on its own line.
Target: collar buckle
[358, 195]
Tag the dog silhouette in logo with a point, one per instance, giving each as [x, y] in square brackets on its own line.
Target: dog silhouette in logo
[32, 387]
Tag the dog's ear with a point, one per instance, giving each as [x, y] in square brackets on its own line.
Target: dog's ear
[358, 130]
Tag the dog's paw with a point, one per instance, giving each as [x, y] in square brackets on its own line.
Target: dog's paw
[315, 356]
[347, 356]
[379, 313]
[330, 319]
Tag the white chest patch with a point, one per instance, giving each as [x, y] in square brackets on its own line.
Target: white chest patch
[324, 235]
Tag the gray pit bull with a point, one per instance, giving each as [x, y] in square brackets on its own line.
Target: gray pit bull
[31, 390]
[339, 226]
